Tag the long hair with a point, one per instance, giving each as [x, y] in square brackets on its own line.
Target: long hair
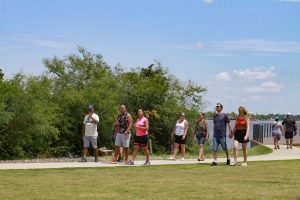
[245, 111]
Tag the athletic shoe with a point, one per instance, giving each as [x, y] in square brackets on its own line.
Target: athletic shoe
[83, 160]
[172, 158]
[244, 164]
[287, 147]
[96, 160]
[200, 159]
[291, 146]
[278, 147]
[182, 159]
[130, 162]
[228, 162]
[233, 164]
[213, 163]
[113, 162]
[147, 163]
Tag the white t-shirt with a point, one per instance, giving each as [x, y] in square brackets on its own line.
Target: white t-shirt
[90, 127]
[180, 128]
[276, 128]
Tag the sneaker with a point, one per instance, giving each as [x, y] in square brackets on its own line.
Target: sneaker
[233, 164]
[287, 147]
[113, 162]
[200, 159]
[182, 159]
[96, 160]
[147, 163]
[278, 147]
[275, 147]
[244, 164]
[130, 162]
[83, 160]
[213, 163]
[228, 162]
[291, 146]
[172, 158]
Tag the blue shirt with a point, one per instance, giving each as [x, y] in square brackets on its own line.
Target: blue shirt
[220, 122]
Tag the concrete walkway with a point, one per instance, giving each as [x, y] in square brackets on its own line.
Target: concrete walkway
[281, 154]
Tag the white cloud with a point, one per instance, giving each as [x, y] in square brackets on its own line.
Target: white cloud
[223, 76]
[35, 40]
[265, 87]
[258, 73]
[208, 1]
[253, 45]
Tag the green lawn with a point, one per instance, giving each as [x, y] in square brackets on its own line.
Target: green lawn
[260, 180]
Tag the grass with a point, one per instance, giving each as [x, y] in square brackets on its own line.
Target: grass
[260, 180]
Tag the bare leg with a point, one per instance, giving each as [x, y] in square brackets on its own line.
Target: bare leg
[175, 150]
[147, 154]
[182, 147]
[116, 154]
[84, 152]
[135, 152]
[287, 143]
[291, 143]
[235, 150]
[126, 153]
[245, 153]
[96, 153]
[202, 151]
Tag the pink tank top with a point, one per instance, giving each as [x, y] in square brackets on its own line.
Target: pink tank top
[142, 123]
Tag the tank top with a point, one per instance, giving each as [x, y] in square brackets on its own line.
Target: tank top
[142, 123]
[123, 122]
[241, 124]
[180, 128]
[200, 128]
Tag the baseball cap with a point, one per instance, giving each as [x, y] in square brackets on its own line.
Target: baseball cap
[288, 113]
[91, 107]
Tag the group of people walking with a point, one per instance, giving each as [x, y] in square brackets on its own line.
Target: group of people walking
[124, 123]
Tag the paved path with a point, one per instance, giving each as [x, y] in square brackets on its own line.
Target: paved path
[281, 154]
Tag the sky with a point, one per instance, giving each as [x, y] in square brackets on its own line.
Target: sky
[244, 52]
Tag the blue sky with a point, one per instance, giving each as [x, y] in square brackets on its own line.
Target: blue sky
[245, 52]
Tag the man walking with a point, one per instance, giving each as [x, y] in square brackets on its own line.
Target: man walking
[219, 137]
[90, 134]
[290, 130]
[122, 133]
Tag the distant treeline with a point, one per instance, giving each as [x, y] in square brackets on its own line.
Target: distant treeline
[41, 116]
[234, 115]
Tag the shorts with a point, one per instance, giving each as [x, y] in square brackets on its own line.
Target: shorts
[289, 135]
[240, 135]
[87, 140]
[219, 140]
[122, 140]
[141, 141]
[201, 139]
[276, 136]
[179, 140]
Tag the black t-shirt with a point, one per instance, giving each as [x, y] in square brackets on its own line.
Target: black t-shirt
[289, 124]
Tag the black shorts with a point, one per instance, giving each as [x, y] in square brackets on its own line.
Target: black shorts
[289, 135]
[179, 140]
[141, 141]
[240, 135]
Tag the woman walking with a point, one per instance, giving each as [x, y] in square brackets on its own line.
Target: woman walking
[201, 134]
[141, 138]
[180, 134]
[277, 130]
[241, 135]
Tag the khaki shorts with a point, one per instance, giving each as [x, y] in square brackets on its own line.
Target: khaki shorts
[122, 140]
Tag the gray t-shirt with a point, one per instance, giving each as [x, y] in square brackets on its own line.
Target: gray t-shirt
[220, 121]
[289, 124]
[276, 128]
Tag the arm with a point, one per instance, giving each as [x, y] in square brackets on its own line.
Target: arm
[247, 129]
[230, 130]
[206, 130]
[95, 120]
[130, 124]
[186, 126]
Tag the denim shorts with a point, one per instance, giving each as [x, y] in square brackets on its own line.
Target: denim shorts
[219, 140]
[87, 140]
[201, 139]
